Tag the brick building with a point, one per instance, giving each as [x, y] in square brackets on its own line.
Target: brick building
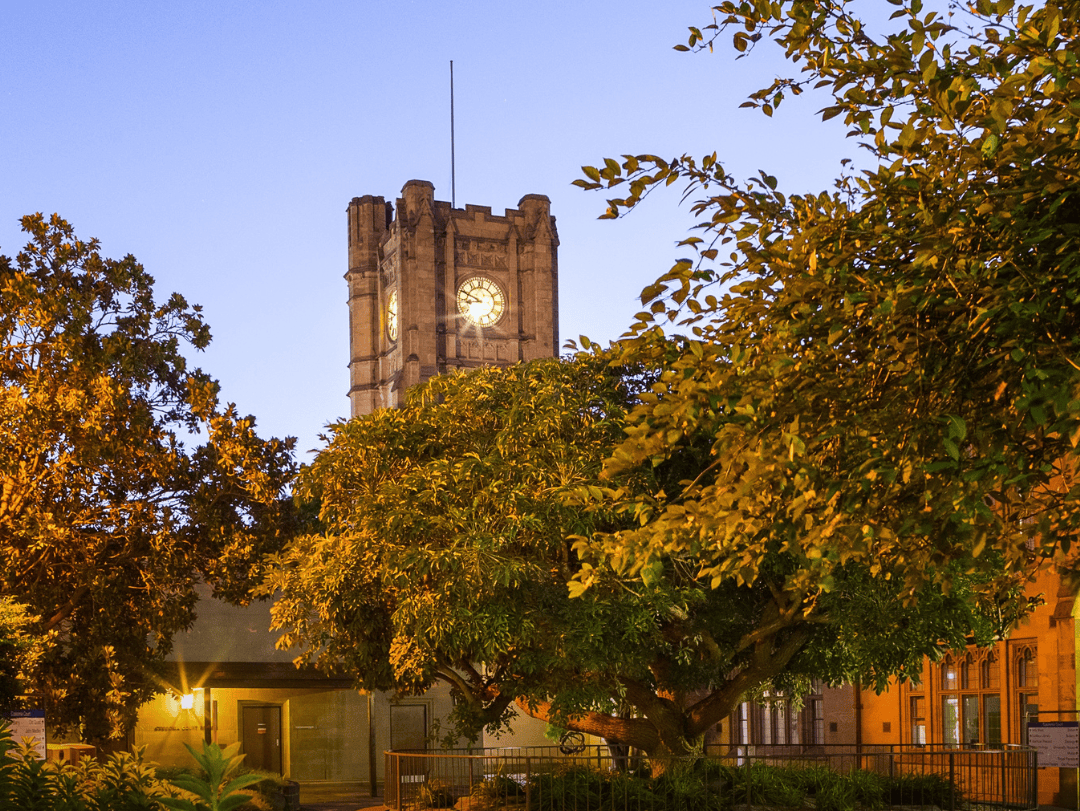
[978, 698]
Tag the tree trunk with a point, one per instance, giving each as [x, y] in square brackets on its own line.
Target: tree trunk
[662, 737]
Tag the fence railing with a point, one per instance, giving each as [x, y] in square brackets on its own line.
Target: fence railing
[601, 778]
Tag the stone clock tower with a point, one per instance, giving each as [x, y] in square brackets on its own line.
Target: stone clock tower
[434, 288]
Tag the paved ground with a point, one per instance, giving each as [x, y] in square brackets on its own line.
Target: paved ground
[337, 797]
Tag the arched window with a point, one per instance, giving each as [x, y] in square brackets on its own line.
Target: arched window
[990, 672]
[948, 673]
[1026, 664]
[970, 701]
[968, 671]
[1027, 668]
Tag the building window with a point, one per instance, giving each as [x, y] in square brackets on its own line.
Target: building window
[970, 701]
[779, 722]
[774, 720]
[990, 672]
[1027, 685]
[741, 726]
[948, 674]
[918, 720]
[814, 722]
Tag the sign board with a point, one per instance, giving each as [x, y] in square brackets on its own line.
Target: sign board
[29, 724]
[1058, 743]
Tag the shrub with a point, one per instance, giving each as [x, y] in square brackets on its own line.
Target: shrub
[436, 794]
[122, 783]
[815, 779]
[924, 789]
[685, 788]
[705, 785]
[498, 788]
[871, 789]
[761, 784]
[573, 787]
[219, 789]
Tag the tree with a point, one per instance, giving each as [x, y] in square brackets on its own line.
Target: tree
[109, 511]
[19, 652]
[455, 546]
[855, 440]
[887, 373]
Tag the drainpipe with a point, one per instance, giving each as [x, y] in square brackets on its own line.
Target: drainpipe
[208, 719]
[858, 722]
[371, 743]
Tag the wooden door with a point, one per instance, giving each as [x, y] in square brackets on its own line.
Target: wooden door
[261, 736]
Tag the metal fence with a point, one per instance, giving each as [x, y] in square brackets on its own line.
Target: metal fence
[601, 778]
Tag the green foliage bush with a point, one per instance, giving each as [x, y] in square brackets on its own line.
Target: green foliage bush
[270, 786]
[709, 785]
[924, 789]
[572, 787]
[435, 794]
[218, 787]
[122, 783]
[498, 788]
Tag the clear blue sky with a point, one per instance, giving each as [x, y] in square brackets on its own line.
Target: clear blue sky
[220, 143]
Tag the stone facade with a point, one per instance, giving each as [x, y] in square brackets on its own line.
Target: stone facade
[413, 257]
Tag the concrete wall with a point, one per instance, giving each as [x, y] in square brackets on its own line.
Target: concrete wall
[325, 732]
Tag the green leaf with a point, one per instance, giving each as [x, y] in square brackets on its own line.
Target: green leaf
[177, 804]
[652, 573]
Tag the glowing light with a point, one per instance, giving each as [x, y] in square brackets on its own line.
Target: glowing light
[478, 310]
[187, 701]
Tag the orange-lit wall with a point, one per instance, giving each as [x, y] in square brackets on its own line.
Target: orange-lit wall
[1051, 630]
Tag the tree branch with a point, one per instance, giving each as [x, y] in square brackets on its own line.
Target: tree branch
[65, 610]
[628, 731]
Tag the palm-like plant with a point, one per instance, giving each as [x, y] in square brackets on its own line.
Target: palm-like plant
[219, 790]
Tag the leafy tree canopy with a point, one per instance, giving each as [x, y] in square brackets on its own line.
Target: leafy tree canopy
[854, 440]
[888, 371]
[19, 652]
[457, 538]
[110, 509]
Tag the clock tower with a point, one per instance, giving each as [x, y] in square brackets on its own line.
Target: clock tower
[434, 288]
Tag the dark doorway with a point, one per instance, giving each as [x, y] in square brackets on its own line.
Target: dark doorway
[261, 736]
[408, 730]
[408, 726]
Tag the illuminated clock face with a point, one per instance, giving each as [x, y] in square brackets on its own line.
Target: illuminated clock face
[481, 301]
[392, 316]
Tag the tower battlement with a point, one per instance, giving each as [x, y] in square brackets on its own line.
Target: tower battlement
[434, 288]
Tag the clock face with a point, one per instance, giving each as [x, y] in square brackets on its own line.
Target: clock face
[392, 316]
[481, 301]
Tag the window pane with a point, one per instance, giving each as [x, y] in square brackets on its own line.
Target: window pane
[948, 674]
[992, 719]
[950, 720]
[990, 670]
[817, 720]
[1027, 670]
[971, 719]
[918, 720]
[1029, 711]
